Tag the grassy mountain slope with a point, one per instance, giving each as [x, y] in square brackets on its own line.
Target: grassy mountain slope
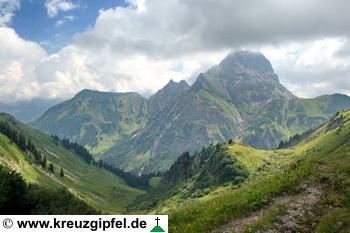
[96, 186]
[215, 169]
[241, 98]
[95, 119]
[283, 118]
[302, 188]
[320, 162]
[183, 126]
[19, 197]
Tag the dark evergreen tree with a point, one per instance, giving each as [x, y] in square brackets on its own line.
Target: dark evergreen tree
[131, 179]
[281, 144]
[55, 139]
[21, 141]
[16, 197]
[38, 157]
[22, 144]
[12, 187]
[61, 173]
[75, 147]
[44, 162]
[180, 170]
[51, 168]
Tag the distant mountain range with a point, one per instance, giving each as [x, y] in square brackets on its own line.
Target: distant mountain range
[241, 98]
[27, 111]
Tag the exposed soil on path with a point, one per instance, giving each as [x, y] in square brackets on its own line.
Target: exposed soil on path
[298, 206]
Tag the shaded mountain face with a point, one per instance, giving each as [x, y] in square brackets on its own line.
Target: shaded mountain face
[245, 79]
[240, 98]
[191, 122]
[166, 96]
[95, 119]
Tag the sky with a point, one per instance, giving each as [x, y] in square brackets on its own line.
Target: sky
[51, 49]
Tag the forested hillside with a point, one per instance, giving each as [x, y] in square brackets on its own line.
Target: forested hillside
[42, 161]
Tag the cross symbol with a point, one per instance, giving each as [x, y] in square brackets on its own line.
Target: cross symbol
[157, 219]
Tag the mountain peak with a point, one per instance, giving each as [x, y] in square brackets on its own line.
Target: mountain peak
[172, 84]
[184, 84]
[105, 94]
[85, 93]
[249, 60]
[171, 81]
[167, 95]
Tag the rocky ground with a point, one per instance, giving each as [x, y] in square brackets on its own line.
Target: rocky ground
[298, 217]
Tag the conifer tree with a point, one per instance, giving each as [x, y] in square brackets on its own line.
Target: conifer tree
[51, 168]
[22, 144]
[44, 162]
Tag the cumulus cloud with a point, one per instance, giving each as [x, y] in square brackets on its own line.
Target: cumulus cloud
[7, 9]
[175, 27]
[55, 6]
[75, 68]
[178, 31]
[312, 68]
[18, 61]
[142, 46]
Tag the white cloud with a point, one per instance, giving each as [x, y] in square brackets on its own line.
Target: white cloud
[137, 4]
[176, 27]
[7, 9]
[321, 53]
[55, 6]
[18, 61]
[140, 47]
[75, 68]
[312, 68]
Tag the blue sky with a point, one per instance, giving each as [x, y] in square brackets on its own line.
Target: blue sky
[32, 21]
